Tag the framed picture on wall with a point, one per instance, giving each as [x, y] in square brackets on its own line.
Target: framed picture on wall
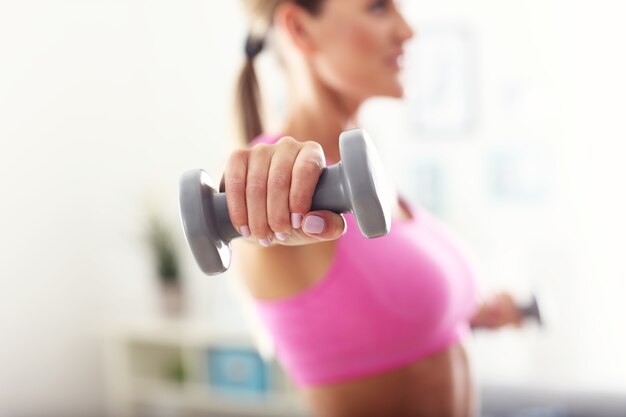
[520, 173]
[425, 184]
[440, 79]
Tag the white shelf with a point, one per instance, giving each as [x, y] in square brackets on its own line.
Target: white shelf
[201, 398]
[141, 357]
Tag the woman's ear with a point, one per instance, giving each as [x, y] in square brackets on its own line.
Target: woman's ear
[298, 25]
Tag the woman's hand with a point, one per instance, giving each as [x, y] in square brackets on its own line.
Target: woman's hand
[269, 190]
[498, 311]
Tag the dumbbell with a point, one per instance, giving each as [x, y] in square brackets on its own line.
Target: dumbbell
[532, 311]
[357, 184]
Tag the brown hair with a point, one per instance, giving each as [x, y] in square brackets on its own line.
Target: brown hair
[260, 15]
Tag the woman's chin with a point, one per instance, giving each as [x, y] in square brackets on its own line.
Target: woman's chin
[394, 87]
[399, 93]
[395, 91]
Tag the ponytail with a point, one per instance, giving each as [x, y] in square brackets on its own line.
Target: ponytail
[248, 96]
[247, 103]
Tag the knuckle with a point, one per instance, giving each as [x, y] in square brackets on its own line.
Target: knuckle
[278, 224]
[238, 156]
[235, 184]
[238, 216]
[340, 224]
[259, 230]
[287, 139]
[261, 149]
[280, 179]
[256, 188]
[315, 146]
[299, 201]
[310, 167]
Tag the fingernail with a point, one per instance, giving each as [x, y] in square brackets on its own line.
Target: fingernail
[265, 242]
[314, 224]
[282, 236]
[245, 231]
[296, 220]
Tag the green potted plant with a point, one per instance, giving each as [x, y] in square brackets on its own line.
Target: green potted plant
[167, 265]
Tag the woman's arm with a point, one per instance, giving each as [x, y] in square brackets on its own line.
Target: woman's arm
[282, 271]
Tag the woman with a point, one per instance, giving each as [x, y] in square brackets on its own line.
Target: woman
[364, 327]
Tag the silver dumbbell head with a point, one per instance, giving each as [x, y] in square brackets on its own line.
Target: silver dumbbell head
[198, 218]
[369, 188]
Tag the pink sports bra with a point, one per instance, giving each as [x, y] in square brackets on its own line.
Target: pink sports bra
[383, 303]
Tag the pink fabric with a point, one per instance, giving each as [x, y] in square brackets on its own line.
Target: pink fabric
[383, 303]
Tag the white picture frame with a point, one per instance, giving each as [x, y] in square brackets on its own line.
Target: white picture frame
[521, 173]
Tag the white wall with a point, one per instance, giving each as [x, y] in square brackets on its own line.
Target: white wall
[103, 104]
[564, 61]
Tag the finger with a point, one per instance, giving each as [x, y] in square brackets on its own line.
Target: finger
[307, 169]
[279, 185]
[324, 225]
[234, 182]
[256, 192]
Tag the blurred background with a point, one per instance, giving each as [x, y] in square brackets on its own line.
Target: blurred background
[512, 132]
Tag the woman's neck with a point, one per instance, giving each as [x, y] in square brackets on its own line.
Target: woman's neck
[315, 112]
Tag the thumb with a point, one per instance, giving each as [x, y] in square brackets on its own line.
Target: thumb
[324, 225]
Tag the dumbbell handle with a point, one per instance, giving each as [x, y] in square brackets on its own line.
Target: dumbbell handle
[330, 194]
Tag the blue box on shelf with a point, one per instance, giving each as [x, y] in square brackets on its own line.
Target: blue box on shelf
[238, 370]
